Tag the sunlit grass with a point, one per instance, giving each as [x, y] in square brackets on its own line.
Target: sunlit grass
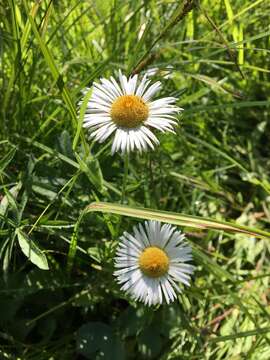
[211, 179]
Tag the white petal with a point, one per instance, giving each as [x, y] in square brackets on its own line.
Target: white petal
[110, 88]
[104, 92]
[132, 82]
[116, 86]
[151, 91]
[96, 120]
[143, 85]
[124, 83]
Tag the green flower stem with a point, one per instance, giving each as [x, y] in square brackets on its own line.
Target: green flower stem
[126, 164]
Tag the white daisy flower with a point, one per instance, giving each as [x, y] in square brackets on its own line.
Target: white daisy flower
[126, 110]
[151, 262]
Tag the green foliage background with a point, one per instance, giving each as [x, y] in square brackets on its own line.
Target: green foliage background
[214, 56]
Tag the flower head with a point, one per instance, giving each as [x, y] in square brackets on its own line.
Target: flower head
[151, 262]
[126, 109]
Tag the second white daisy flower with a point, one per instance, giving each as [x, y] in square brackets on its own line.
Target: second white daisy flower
[125, 109]
[152, 262]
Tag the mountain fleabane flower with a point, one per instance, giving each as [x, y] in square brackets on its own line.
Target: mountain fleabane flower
[125, 109]
[152, 262]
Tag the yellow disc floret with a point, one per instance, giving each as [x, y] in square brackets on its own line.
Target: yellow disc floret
[154, 262]
[129, 111]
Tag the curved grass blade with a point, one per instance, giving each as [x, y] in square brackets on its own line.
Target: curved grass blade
[175, 218]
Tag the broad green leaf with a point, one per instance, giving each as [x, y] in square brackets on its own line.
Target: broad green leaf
[9, 198]
[96, 340]
[32, 251]
[150, 342]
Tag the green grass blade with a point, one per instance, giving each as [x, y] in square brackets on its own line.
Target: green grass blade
[176, 219]
[243, 334]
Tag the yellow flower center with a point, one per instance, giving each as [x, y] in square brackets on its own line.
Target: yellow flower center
[129, 111]
[154, 262]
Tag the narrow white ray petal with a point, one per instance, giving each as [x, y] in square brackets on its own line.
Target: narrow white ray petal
[98, 95]
[152, 296]
[174, 284]
[131, 140]
[120, 263]
[137, 141]
[98, 100]
[96, 121]
[143, 86]
[134, 278]
[124, 83]
[178, 254]
[163, 102]
[164, 291]
[106, 133]
[178, 238]
[131, 245]
[179, 276]
[117, 87]
[140, 236]
[150, 92]
[163, 111]
[115, 142]
[156, 126]
[102, 132]
[145, 138]
[93, 111]
[165, 234]
[160, 120]
[110, 88]
[149, 134]
[98, 116]
[163, 116]
[132, 82]
[162, 127]
[126, 252]
[143, 235]
[183, 267]
[123, 143]
[133, 240]
[124, 258]
[170, 290]
[104, 91]
[100, 91]
[99, 106]
[125, 270]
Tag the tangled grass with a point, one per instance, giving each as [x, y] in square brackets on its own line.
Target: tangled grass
[61, 193]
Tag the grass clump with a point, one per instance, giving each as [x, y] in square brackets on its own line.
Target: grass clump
[210, 55]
